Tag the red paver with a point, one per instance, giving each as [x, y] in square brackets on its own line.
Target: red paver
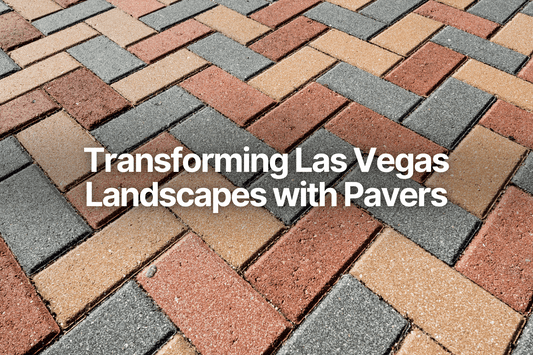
[288, 38]
[305, 261]
[453, 17]
[365, 129]
[153, 48]
[233, 98]
[24, 110]
[425, 69]
[67, 3]
[510, 121]
[87, 98]
[210, 303]
[16, 31]
[281, 11]
[98, 216]
[137, 8]
[25, 323]
[287, 124]
[500, 257]
[527, 72]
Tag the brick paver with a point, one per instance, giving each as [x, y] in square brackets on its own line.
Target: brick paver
[34, 9]
[16, 31]
[388, 11]
[14, 157]
[517, 34]
[244, 7]
[418, 343]
[524, 176]
[496, 10]
[137, 8]
[526, 340]
[281, 11]
[7, 65]
[178, 345]
[178, 12]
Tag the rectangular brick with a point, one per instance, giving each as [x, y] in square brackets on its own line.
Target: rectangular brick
[291, 73]
[524, 176]
[499, 11]
[525, 342]
[178, 345]
[282, 11]
[418, 343]
[7, 65]
[460, 4]
[138, 8]
[34, 9]
[389, 11]
[203, 296]
[353, 5]
[449, 307]
[244, 7]
[16, 31]
[517, 34]
[180, 11]
[14, 157]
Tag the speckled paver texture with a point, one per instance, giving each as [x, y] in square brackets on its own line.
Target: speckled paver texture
[436, 262]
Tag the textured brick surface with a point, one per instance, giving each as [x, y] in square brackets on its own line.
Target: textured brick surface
[15, 31]
[34, 9]
[244, 7]
[14, 157]
[525, 343]
[517, 34]
[178, 12]
[524, 176]
[528, 9]
[212, 299]
[281, 11]
[353, 5]
[137, 8]
[527, 72]
[7, 65]
[178, 345]
[418, 343]
[496, 10]
[388, 11]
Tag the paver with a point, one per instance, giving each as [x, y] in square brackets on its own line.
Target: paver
[292, 72]
[52, 226]
[480, 151]
[517, 34]
[459, 19]
[127, 323]
[460, 4]
[178, 12]
[231, 56]
[26, 323]
[106, 59]
[345, 20]
[50, 45]
[57, 143]
[14, 157]
[377, 94]
[71, 16]
[425, 69]
[496, 10]
[177, 346]
[528, 9]
[287, 124]
[418, 343]
[407, 34]
[353, 5]
[282, 11]
[480, 49]
[526, 340]
[306, 261]
[80, 278]
[527, 72]
[234, 233]
[67, 3]
[7, 65]
[356, 52]
[16, 31]
[389, 11]
[244, 7]
[137, 8]
[212, 299]
[449, 113]
[524, 176]
[210, 132]
[4, 8]
[236, 100]
[350, 319]
[452, 309]
[34, 9]
[140, 85]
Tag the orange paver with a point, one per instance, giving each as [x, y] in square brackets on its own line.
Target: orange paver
[517, 34]
[282, 11]
[418, 343]
[34, 9]
[177, 346]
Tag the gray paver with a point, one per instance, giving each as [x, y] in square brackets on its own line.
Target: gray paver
[178, 12]
[4, 8]
[524, 176]
[389, 11]
[447, 115]
[106, 59]
[244, 7]
[350, 320]
[525, 342]
[128, 323]
[14, 157]
[375, 93]
[136, 126]
[36, 221]
[71, 16]
[345, 20]
[480, 49]
[7, 65]
[231, 56]
[442, 231]
[321, 141]
[208, 131]
[528, 10]
[499, 11]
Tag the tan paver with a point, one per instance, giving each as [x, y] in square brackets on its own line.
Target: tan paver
[77, 280]
[155, 77]
[494, 81]
[292, 72]
[57, 144]
[168, 2]
[36, 75]
[418, 343]
[120, 27]
[353, 5]
[178, 345]
[517, 34]
[452, 309]
[460, 4]
[233, 24]
[356, 52]
[52, 44]
[407, 34]
[33, 9]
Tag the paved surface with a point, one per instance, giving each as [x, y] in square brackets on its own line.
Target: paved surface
[213, 76]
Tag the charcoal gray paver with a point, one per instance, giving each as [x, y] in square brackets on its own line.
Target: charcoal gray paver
[375, 93]
[499, 11]
[349, 320]
[525, 342]
[106, 59]
[209, 132]
[134, 127]
[388, 11]
[345, 20]
[447, 115]
[528, 10]
[321, 141]
[230, 56]
[244, 7]
[480, 49]
[7, 65]
[71, 16]
[524, 175]
[178, 12]
[4, 8]
[128, 323]
[36, 221]
[442, 231]
[14, 157]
